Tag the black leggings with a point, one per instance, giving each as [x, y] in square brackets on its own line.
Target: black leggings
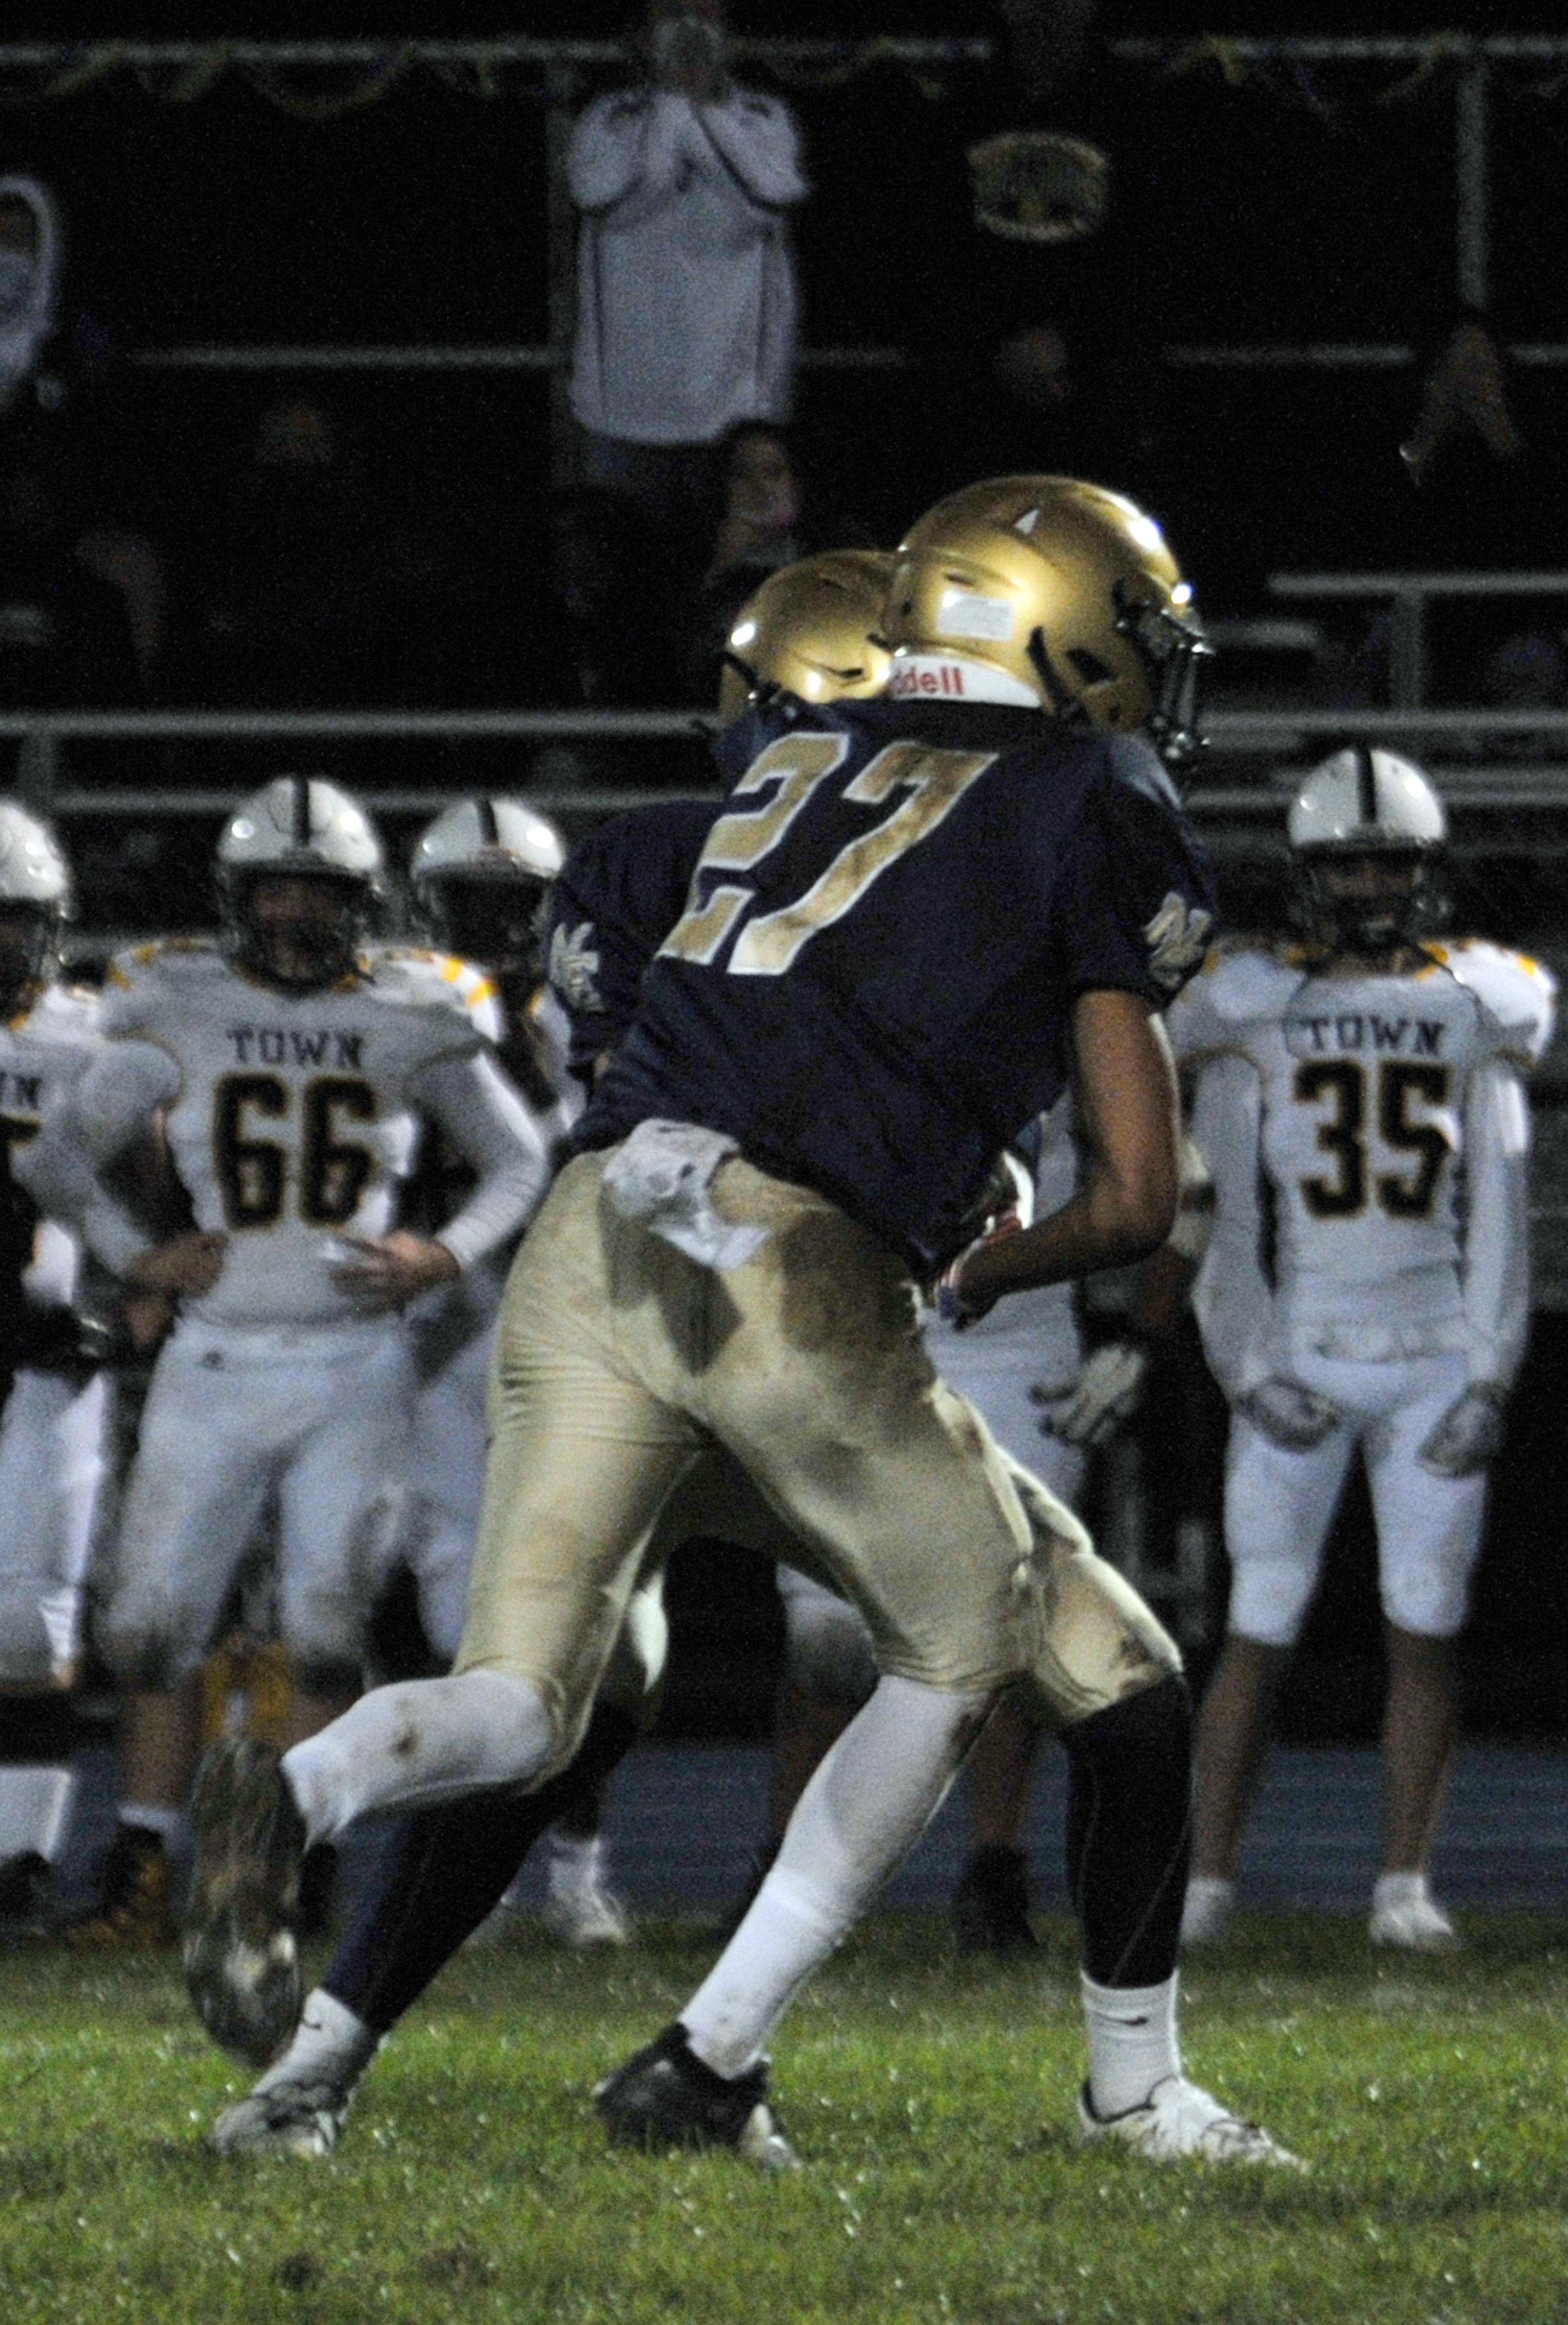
[1129, 1832]
[445, 1868]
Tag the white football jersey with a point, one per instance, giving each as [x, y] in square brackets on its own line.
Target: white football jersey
[1386, 1126]
[293, 1118]
[43, 1052]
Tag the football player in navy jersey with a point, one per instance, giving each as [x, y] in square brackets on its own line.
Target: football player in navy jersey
[441, 1870]
[917, 919]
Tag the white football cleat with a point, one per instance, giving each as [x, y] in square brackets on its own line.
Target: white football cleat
[1206, 1913]
[302, 2119]
[1178, 2119]
[580, 1908]
[1406, 1914]
[298, 2106]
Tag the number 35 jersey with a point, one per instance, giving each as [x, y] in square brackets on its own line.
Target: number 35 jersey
[293, 1119]
[1372, 1131]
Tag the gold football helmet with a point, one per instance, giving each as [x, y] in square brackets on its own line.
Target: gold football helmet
[1064, 587]
[810, 630]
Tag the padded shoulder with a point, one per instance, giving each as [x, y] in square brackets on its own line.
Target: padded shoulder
[415, 978]
[147, 980]
[65, 1013]
[1243, 978]
[1519, 992]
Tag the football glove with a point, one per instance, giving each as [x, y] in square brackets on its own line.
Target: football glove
[1290, 1415]
[1109, 1391]
[1467, 1437]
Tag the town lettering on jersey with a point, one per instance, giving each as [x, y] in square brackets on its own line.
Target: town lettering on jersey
[20, 1093]
[1353, 1033]
[296, 1045]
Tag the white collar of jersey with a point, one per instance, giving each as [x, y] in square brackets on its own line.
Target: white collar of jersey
[954, 678]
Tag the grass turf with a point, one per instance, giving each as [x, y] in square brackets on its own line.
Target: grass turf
[931, 2101]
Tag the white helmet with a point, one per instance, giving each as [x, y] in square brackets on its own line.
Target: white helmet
[299, 828]
[478, 874]
[1360, 799]
[35, 901]
[1363, 802]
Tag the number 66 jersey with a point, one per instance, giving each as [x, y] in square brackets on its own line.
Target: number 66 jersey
[1368, 1135]
[293, 1119]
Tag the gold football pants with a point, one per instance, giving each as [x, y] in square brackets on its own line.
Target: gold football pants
[618, 1362]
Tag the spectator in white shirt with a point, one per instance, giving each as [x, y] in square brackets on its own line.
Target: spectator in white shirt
[686, 288]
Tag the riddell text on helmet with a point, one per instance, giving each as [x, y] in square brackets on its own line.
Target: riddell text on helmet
[946, 677]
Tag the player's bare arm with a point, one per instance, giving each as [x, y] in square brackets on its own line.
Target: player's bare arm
[1125, 1086]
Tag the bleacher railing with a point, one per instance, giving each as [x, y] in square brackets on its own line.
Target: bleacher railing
[1258, 750]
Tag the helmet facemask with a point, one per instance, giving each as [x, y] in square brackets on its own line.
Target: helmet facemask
[1369, 900]
[1173, 652]
[29, 950]
[300, 931]
[1367, 837]
[492, 919]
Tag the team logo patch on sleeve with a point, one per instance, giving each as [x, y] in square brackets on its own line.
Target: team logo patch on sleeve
[574, 968]
[1177, 938]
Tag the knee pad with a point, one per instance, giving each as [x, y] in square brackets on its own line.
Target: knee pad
[1429, 1594]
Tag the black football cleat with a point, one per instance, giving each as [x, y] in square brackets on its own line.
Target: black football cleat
[241, 1944]
[664, 2097]
[990, 1905]
[29, 1905]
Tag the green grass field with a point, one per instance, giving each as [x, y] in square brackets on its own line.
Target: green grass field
[932, 2102]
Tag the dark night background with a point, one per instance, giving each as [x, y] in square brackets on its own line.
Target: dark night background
[1285, 207]
[1281, 207]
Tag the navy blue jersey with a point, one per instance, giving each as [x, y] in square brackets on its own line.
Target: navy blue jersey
[871, 987]
[616, 899]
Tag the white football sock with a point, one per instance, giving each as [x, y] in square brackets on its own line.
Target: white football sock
[418, 1743]
[330, 2043]
[576, 1863]
[1393, 1889]
[865, 1806]
[1132, 2042]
